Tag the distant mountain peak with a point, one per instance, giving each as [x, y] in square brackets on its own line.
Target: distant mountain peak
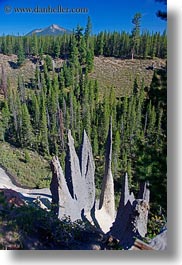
[53, 30]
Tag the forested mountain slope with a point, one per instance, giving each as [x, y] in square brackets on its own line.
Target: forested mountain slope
[50, 85]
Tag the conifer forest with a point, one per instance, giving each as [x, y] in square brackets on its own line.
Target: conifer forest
[35, 115]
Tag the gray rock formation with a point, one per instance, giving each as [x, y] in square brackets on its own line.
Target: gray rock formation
[74, 194]
[73, 176]
[87, 167]
[131, 224]
[125, 193]
[144, 192]
[63, 203]
[107, 192]
[160, 241]
[132, 216]
[140, 210]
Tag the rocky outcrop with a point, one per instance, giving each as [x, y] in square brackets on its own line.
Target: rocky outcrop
[160, 241]
[72, 170]
[62, 201]
[74, 194]
[107, 200]
[144, 192]
[13, 198]
[125, 193]
[132, 216]
[87, 167]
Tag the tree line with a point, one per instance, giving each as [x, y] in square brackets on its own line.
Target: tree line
[115, 44]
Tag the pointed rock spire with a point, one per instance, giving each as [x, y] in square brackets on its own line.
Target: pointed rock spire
[124, 211]
[132, 216]
[87, 166]
[62, 201]
[107, 192]
[74, 194]
[72, 170]
[125, 193]
[144, 192]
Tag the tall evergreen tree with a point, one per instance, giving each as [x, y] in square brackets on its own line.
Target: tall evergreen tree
[21, 55]
[43, 136]
[135, 39]
[90, 57]
[88, 31]
[57, 48]
[4, 123]
[26, 128]
[82, 51]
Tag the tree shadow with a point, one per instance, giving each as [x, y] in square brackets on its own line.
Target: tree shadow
[13, 65]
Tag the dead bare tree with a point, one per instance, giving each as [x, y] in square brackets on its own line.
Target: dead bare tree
[3, 83]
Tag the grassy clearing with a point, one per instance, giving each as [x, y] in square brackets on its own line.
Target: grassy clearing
[109, 71]
[120, 74]
[26, 71]
[28, 168]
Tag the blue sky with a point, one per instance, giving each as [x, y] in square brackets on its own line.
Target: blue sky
[106, 15]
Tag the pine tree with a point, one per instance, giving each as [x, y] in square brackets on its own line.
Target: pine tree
[106, 115]
[43, 137]
[96, 92]
[5, 113]
[78, 35]
[74, 61]
[74, 54]
[21, 89]
[154, 46]
[67, 73]
[61, 81]
[49, 63]
[53, 114]
[138, 119]
[35, 113]
[151, 122]
[34, 45]
[135, 34]
[21, 55]
[57, 48]
[61, 128]
[135, 87]
[95, 141]
[46, 80]
[88, 31]
[159, 127]
[37, 82]
[82, 51]
[87, 119]
[79, 123]
[163, 45]
[99, 47]
[145, 44]
[9, 48]
[116, 152]
[16, 109]
[3, 45]
[26, 128]
[112, 105]
[90, 57]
